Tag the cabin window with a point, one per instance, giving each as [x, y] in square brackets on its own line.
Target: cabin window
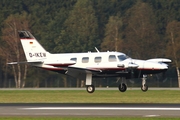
[97, 59]
[85, 59]
[122, 57]
[112, 58]
[74, 59]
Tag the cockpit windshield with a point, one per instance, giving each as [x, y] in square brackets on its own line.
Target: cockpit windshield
[122, 57]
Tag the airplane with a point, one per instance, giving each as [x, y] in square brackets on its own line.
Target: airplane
[86, 66]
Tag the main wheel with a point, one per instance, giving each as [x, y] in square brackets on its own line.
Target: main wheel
[145, 88]
[90, 88]
[122, 87]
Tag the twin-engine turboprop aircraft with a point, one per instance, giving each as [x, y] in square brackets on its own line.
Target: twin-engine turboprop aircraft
[87, 66]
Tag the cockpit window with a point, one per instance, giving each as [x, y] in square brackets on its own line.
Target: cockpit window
[122, 57]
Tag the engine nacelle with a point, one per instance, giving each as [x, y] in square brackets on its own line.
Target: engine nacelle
[160, 60]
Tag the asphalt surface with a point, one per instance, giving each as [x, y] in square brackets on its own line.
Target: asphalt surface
[88, 109]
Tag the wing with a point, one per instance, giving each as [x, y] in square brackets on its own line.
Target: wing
[80, 73]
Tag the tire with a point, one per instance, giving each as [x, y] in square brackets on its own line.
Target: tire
[122, 87]
[146, 88]
[90, 88]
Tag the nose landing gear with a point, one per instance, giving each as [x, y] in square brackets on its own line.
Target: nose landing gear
[144, 86]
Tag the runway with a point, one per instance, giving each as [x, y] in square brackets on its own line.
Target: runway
[88, 109]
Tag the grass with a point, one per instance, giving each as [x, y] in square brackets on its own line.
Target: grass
[81, 96]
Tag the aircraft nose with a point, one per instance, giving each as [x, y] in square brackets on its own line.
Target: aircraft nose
[156, 66]
[163, 66]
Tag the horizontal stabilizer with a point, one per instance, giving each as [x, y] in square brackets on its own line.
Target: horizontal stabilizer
[24, 62]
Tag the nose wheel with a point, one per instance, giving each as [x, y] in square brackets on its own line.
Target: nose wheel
[90, 88]
[144, 88]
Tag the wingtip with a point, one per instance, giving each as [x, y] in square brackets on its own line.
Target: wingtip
[12, 63]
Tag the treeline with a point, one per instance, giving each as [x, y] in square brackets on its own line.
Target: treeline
[140, 28]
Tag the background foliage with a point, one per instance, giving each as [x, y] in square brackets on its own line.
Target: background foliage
[140, 28]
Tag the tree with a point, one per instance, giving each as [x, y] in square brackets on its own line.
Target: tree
[12, 48]
[113, 34]
[165, 11]
[173, 46]
[80, 31]
[140, 32]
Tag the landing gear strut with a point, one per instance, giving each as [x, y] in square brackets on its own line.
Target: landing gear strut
[144, 86]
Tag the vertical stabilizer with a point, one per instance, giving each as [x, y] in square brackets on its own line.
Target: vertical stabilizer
[32, 48]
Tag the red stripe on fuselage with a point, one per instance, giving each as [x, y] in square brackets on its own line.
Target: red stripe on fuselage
[124, 69]
[149, 69]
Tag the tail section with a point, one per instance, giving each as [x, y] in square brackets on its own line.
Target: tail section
[32, 48]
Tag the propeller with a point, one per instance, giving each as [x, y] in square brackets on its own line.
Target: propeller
[132, 66]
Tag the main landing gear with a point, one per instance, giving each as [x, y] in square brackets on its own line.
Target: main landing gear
[122, 87]
[89, 87]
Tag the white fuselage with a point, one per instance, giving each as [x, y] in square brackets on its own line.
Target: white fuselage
[101, 63]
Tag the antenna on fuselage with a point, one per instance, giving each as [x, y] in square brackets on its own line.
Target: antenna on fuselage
[97, 50]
